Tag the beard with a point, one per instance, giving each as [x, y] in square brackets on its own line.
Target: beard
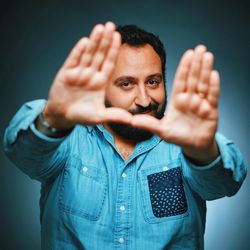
[132, 133]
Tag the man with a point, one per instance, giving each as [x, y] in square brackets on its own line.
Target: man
[117, 173]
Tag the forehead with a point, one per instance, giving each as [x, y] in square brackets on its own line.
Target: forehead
[137, 61]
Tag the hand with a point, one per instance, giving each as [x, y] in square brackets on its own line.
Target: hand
[78, 91]
[192, 114]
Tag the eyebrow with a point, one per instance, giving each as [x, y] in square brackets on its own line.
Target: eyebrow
[157, 75]
[125, 78]
[131, 78]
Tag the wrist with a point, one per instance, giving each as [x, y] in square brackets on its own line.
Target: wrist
[44, 127]
[202, 156]
[54, 116]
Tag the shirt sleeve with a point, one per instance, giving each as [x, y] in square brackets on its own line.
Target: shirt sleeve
[37, 155]
[223, 177]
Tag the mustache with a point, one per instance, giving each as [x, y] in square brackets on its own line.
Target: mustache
[153, 106]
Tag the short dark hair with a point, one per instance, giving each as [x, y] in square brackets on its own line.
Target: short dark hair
[135, 36]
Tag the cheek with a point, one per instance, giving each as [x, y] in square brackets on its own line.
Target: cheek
[119, 98]
[158, 95]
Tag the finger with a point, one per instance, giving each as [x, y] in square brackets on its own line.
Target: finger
[194, 73]
[214, 88]
[182, 72]
[79, 77]
[93, 43]
[147, 122]
[194, 103]
[97, 80]
[75, 55]
[115, 115]
[207, 65]
[105, 44]
[100, 78]
[110, 60]
[204, 109]
[181, 102]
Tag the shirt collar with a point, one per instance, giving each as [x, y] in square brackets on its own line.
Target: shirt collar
[141, 147]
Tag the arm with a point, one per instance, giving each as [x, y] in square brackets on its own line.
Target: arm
[191, 122]
[76, 97]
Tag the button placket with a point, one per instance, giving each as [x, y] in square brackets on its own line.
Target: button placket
[121, 240]
[122, 218]
[122, 208]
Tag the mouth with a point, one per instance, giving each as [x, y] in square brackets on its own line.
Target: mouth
[147, 112]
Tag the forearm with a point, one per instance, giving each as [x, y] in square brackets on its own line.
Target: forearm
[34, 153]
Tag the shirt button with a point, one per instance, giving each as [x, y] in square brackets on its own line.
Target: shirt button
[84, 169]
[121, 240]
[165, 168]
[124, 175]
[122, 208]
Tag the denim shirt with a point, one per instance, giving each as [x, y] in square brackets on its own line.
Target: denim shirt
[91, 198]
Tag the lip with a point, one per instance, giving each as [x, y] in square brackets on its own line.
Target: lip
[149, 112]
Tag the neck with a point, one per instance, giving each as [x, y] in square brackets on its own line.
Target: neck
[123, 145]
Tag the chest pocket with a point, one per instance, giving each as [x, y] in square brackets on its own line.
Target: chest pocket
[163, 194]
[83, 189]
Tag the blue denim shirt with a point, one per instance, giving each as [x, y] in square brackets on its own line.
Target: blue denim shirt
[91, 198]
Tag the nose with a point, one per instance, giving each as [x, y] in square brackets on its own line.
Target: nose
[142, 97]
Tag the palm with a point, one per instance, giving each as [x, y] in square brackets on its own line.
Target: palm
[192, 114]
[78, 91]
[188, 127]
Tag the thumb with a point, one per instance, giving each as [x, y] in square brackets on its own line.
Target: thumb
[147, 122]
[115, 115]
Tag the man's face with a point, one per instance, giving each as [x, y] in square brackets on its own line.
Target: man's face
[136, 86]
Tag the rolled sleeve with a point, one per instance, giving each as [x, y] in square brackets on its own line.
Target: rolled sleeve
[222, 177]
[37, 155]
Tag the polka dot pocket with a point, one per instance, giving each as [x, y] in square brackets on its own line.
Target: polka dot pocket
[167, 193]
[163, 194]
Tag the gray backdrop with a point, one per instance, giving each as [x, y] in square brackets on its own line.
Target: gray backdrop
[36, 36]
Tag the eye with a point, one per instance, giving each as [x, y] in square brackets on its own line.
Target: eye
[126, 85]
[153, 83]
